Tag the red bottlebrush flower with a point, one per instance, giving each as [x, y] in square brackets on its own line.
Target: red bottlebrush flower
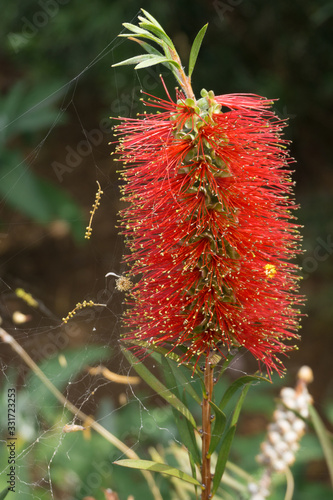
[210, 227]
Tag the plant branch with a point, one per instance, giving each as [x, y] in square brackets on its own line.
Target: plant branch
[185, 81]
[206, 475]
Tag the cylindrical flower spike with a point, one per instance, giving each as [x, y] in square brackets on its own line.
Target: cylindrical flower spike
[210, 218]
[210, 226]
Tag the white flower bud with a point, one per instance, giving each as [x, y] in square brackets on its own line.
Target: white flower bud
[253, 488]
[302, 401]
[291, 403]
[281, 447]
[279, 465]
[284, 426]
[305, 374]
[290, 437]
[287, 393]
[288, 457]
[268, 451]
[279, 413]
[262, 459]
[274, 437]
[272, 427]
[290, 415]
[304, 412]
[299, 426]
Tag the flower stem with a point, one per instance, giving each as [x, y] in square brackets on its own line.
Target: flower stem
[185, 81]
[206, 430]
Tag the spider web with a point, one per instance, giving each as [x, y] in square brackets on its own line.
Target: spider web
[66, 351]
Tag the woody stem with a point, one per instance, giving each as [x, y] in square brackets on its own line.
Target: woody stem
[206, 431]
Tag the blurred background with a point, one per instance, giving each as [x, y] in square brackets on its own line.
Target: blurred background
[57, 92]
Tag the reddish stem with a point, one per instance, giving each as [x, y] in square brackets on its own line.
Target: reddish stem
[206, 431]
[184, 80]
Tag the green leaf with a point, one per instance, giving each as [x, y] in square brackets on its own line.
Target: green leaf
[244, 384]
[187, 437]
[226, 362]
[156, 60]
[219, 425]
[239, 404]
[148, 48]
[237, 385]
[195, 49]
[146, 60]
[222, 458]
[151, 19]
[160, 33]
[154, 348]
[185, 429]
[157, 386]
[135, 29]
[167, 353]
[4, 493]
[324, 439]
[193, 468]
[151, 50]
[157, 467]
[181, 380]
[135, 60]
[153, 31]
[147, 35]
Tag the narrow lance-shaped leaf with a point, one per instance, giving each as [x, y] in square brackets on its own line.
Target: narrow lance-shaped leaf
[193, 469]
[324, 438]
[186, 433]
[222, 458]
[152, 19]
[157, 31]
[226, 363]
[187, 437]
[158, 349]
[219, 425]
[195, 49]
[156, 60]
[134, 60]
[4, 493]
[168, 51]
[228, 438]
[237, 385]
[135, 29]
[157, 467]
[157, 386]
[182, 380]
[148, 48]
[147, 35]
[239, 404]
